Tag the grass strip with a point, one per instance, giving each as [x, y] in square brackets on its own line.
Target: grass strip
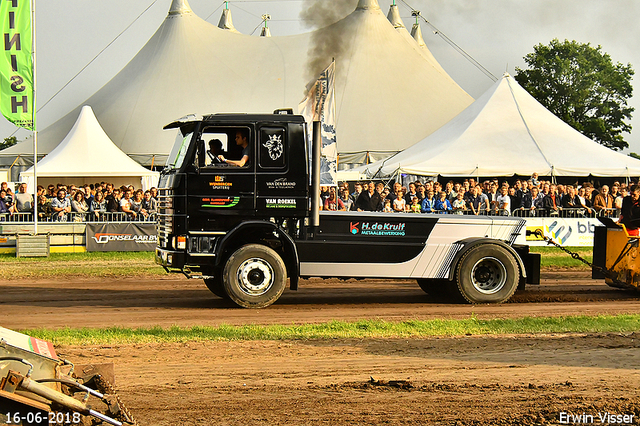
[342, 330]
[553, 257]
[93, 264]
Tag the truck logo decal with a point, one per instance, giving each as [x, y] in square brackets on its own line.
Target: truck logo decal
[281, 183]
[219, 182]
[281, 203]
[379, 229]
[220, 202]
[353, 228]
[275, 146]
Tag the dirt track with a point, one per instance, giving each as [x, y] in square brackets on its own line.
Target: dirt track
[470, 380]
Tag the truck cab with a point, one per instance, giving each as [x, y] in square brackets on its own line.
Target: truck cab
[237, 207]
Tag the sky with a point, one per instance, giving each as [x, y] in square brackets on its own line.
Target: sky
[496, 33]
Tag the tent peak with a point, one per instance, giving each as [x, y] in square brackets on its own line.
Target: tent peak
[368, 4]
[394, 17]
[178, 7]
[226, 23]
[416, 33]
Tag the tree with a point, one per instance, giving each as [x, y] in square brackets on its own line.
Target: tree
[581, 85]
[10, 141]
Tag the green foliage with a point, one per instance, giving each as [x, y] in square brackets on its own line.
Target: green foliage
[343, 330]
[10, 141]
[581, 85]
[634, 155]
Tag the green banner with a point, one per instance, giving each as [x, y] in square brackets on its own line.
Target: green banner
[16, 65]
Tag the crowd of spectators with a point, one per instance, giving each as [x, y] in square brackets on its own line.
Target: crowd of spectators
[91, 202]
[523, 197]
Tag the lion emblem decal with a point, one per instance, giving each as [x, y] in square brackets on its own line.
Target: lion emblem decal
[275, 146]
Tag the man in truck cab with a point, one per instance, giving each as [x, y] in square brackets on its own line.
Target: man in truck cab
[242, 139]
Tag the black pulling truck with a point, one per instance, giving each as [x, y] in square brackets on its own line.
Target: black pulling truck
[246, 229]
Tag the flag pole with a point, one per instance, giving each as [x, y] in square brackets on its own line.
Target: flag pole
[33, 114]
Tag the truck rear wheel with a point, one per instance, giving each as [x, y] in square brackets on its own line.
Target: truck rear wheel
[487, 273]
[254, 276]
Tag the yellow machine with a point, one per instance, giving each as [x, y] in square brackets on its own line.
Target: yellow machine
[616, 256]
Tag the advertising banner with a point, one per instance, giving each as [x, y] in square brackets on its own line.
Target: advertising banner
[16, 64]
[568, 232]
[121, 236]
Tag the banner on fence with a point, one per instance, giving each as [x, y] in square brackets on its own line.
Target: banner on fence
[574, 232]
[121, 236]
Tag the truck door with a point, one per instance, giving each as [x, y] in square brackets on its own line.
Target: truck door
[223, 189]
[281, 171]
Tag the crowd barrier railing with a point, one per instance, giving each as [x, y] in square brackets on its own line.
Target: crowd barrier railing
[88, 217]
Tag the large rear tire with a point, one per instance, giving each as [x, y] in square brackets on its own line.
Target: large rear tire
[487, 273]
[254, 276]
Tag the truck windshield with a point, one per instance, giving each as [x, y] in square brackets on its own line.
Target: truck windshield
[179, 150]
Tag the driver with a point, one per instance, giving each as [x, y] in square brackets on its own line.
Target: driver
[215, 151]
[242, 139]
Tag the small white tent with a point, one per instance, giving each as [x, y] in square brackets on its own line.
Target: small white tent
[87, 155]
[506, 132]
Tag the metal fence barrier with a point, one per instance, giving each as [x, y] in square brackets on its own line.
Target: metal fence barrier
[78, 217]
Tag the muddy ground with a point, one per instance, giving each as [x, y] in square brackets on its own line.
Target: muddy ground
[470, 380]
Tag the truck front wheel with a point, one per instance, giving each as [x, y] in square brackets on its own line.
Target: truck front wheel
[487, 273]
[254, 276]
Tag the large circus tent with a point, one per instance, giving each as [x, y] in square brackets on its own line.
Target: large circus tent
[390, 90]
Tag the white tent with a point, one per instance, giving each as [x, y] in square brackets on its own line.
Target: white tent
[87, 155]
[506, 132]
[390, 92]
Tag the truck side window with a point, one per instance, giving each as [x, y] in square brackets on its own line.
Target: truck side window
[272, 149]
[227, 147]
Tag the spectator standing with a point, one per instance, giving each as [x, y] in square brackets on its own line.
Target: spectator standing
[387, 206]
[582, 200]
[98, 206]
[603, 201]
[23, 200]
[473, 201]
[369, 200]
[399, 204]
[504, 202]
[125, 205]
[459, 206]
[492, 196]
[60, 206]
[113, 201]
[428, 203]
[534, 179]
[333, 203]
[136, 204]
[415, 206]
[551, 202]
[346, 199]
[570, 199]
[79, 205]
[413, 193]
[442, 203]
[44, 208]
[618, 201]
[3, 204]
